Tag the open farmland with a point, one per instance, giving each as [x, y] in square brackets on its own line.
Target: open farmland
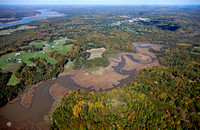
[24, 56]
[9, 31]
[95, 53]
[13, 80]
[10, 62]
[56, 45]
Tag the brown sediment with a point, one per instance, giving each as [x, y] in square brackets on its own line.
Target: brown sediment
[134, 65]
[100, 79]
[154, 46]
[27, 96]
[24, 125]
[15, 100]
[43, 125]
[70, 72]
[106, 78]
[145, 59]
[4, 19]
[57, 91]
[12, 22]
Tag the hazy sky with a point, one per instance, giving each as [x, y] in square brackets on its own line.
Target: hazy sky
[112, 2]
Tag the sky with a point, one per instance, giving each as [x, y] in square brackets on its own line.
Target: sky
[103, 2]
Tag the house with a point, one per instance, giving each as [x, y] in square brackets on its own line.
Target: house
[20, 61]
[17, 54]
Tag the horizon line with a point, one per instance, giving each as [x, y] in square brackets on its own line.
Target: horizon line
[112, 4]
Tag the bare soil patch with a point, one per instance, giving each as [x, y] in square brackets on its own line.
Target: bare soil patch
[100, 79]
[25, 125]
[95, 53]
[27, 96]
[57, 91]
[44, 125]
[106, 78]
[96, 79]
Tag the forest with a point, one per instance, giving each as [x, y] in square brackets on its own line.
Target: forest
[160, 97]
[163, 97]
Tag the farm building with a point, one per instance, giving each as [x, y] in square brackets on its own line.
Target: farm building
[17, 54]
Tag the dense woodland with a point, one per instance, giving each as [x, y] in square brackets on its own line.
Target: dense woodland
[159, 97]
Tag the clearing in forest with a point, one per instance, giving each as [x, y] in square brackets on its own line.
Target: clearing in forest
[95, 53]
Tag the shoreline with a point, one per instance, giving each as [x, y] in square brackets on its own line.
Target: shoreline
[101, 79]
[33, 16]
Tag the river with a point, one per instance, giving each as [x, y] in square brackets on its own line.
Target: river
[43, 101]
[44, 14]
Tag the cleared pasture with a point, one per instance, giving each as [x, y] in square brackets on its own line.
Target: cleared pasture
[95, 53]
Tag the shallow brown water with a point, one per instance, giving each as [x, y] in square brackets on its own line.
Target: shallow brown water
[43, 101]
[14, 112]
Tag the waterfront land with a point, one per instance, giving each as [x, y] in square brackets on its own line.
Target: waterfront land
[103, 67]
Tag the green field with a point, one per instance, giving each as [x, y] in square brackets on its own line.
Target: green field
[9, 31]
[57, 45]
[60, 47]
[13, 80]
[38, 43]
[68, 66]
[25, 56]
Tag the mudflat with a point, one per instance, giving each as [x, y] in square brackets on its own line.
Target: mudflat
[107, 78]
[45, 97]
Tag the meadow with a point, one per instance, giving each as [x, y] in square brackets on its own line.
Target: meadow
[95, 53]
[14, 62]
[9, 31]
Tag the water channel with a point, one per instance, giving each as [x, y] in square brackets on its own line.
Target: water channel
[42, 101]
[43, 15]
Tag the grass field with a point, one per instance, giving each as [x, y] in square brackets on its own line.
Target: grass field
[195, 53]
[38, 43]
[57, 45]
[60, 47]
[13, 80]
[25, 56]
[9, 31]
[95, 53]
[68, 66]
